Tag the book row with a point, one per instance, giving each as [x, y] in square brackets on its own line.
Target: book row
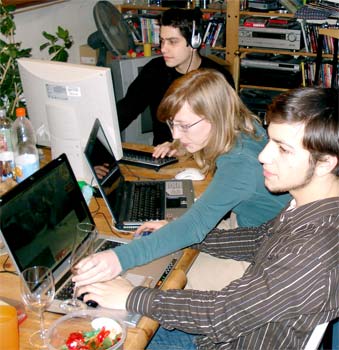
[308, 74]
[310, 32]
[144, 28]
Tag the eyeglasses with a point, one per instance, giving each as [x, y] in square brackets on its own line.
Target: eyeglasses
[181, 127]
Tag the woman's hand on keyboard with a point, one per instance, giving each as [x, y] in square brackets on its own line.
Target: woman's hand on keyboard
[150, 226]
[111, 294]
[166, 149]
[99, 267]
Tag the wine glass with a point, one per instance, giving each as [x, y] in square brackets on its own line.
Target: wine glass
[37, 291]
[83, 246]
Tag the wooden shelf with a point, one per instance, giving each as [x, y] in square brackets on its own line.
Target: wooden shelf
[281, 52]
[257, 87]
[266, 14]
[131, 7]
[331, 32]
[127, 7]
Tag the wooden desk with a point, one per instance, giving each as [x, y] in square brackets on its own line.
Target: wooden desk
[137, 338]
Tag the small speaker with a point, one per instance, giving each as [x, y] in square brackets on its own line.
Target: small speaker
[196, 37]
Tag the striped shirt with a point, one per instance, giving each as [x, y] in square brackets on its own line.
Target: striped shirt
[291, 286]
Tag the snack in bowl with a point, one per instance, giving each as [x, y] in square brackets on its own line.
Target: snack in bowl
[86, 330]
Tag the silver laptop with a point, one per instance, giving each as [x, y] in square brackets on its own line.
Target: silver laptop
[38, 220]
[133, 202]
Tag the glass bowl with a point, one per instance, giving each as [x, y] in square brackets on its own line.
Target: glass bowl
[86, 321]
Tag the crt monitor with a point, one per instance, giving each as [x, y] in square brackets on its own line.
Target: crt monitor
[124, 71]
[63, 100]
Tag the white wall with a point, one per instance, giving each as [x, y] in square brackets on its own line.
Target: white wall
[74, 15]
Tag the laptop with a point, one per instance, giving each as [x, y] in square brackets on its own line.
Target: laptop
[131, 203]
[38, 220]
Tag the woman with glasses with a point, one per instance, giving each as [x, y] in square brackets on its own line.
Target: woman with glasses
[208, 118]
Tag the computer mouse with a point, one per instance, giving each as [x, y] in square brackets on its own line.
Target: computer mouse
[190, 174]
[90, 303]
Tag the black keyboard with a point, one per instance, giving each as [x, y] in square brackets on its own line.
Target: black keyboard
[66, 291]
[145, 159]
[147, 201]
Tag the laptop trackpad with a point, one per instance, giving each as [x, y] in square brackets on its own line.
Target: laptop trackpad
[138, 280]
[176, 202]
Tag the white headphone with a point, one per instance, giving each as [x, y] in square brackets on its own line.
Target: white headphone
[195, 38]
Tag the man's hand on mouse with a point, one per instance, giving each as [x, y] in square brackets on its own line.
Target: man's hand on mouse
[111, 294]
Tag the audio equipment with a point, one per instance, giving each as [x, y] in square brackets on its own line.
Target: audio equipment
[290, 66]
[195, 37]
[263, 5]
[278, 38]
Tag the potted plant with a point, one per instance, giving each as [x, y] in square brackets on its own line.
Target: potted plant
[11, 92]
[10, 51]
[58, 44]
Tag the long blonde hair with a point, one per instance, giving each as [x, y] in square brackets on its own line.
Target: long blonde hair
[211, 97]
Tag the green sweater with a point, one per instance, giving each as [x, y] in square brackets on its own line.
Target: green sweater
[237, 185]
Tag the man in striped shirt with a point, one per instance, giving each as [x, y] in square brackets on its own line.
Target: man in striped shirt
[292, 284]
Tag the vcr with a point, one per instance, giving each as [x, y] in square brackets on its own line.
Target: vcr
[270, 77]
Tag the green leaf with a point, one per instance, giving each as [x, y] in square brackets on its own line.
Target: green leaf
[62, 33]
[61, 56]
[54, 49]
[43, 46]
[49, 36]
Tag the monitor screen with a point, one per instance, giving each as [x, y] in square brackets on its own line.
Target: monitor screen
[63, 101]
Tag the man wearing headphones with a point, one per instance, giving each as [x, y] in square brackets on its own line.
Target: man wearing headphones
[180, 37]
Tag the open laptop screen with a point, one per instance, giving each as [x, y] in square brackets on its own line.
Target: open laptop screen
[98, 153]
[39, 216]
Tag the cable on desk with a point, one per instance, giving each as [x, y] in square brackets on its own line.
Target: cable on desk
[96, 212]
[135, 175]
[4, 270]
[105, 218]
[131, 171]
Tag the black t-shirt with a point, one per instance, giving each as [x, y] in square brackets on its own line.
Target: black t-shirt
[148, 89]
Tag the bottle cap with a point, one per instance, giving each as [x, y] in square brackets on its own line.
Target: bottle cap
[20, 112]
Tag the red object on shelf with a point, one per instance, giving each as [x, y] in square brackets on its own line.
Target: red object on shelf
[258, 22]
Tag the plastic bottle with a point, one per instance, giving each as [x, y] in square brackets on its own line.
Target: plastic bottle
[25, 151]
[6, 147]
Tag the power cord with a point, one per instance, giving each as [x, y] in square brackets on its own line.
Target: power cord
[189, 66]
[4, 269]
[138, 177]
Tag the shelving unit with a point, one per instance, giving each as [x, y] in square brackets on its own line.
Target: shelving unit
[231, 28]
[243, 51]
[233, 52]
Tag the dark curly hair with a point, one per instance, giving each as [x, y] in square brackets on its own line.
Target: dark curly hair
[183, 20]
[317, 108]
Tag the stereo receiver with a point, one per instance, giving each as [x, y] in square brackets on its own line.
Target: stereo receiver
[274, 38]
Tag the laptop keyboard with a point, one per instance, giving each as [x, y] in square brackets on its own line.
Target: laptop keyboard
[145, 159]
[147, 201]
[66, 292]
[131, 318]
